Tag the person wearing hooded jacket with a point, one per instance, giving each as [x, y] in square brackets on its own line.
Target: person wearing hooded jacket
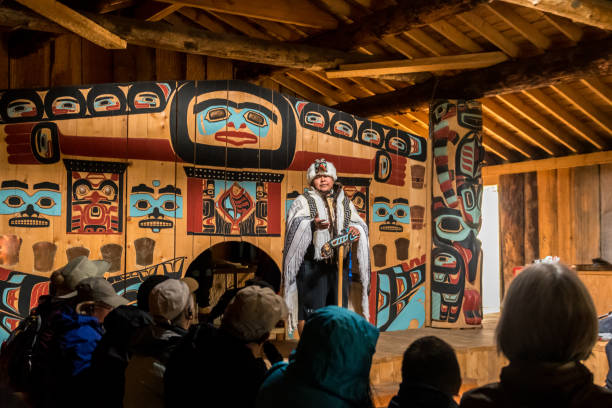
[330, 368]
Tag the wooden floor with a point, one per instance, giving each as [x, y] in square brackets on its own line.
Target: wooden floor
[476, 351]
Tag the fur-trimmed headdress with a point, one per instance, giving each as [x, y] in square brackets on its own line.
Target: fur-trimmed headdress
[321, 167]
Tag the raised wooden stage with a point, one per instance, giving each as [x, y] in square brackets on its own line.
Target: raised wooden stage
[476, 351]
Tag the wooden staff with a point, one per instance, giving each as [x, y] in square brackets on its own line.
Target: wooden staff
[340, 267]
[327, 250]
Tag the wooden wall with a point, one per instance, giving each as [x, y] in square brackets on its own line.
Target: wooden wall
[149, 140]
[563, 212]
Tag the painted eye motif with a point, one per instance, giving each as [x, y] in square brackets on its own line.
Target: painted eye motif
[397, 143]
[343, 128]
[315, 119]
[255, 118]
[370, 135]
[14, 201]
[450, 224]
[359, 202]
[401, 213]
[82, 190]
[108, 190]
[43, 142]
[21, 108]
[146, 100]
[169, 205]
[65, 105]
[381, 212]
[142, 205]
[445, 260]
[217, 114]
[45, 202]
[468, 199]
[106, 102]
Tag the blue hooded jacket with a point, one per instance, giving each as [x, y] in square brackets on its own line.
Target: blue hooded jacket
[330, 367]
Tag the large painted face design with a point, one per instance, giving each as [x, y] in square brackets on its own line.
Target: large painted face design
[448, 283]
[19, 292]
[392, 214]
[156, 205]
[449, 225]
[401, 297]
[233, 124]
[95, 191]
[30, 207]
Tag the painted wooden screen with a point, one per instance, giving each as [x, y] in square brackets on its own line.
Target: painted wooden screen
[456, 267]
[149, 175]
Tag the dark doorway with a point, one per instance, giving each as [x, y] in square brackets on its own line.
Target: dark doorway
[228, 265]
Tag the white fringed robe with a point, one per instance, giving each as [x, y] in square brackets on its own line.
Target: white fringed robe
[298, 236]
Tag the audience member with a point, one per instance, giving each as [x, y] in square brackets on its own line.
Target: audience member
[224, 364]
[547, 327]
[330, 366]
[76, 333]
[430, 375]
[142, 297]
[172, 307]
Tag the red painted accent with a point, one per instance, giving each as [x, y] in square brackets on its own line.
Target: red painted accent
[4, 273]
[235, 138]
[40, 289]
[194, 205]
[19, 149]
[372, 297]
[118, 147]
[274, 206]
[344, 164]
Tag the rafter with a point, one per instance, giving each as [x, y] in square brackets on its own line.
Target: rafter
[601, 89]
[567, 28]
[485, 29]
[28, 20]
[452, 34]
[402, 46]
[433, 46]
[319, 85]
[302, 90]
[551, 106]
[242, 25]
[298, 12]
[203, 19]
[553, 67]
[465, 61]
[597, 13]
[344, 84]
[528, 133]
[521, 25]
[407, 124]
[498, 149]
[490, 127]
[155, 11]
[75, 22]
[586, 107]
[551, 129]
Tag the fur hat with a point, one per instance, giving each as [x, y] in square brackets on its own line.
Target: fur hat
[253, 312]
[321, 167]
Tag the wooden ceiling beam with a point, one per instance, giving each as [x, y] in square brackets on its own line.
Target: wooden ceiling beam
[106, 6]
[596, 13]
[345, 85]
[28, 20]
[498, 149]
[485, 29]
[551, 106]
[551, 129]
[196, 41]
[298, 12]
[553, 67]
[75, 22]
[242, 25]
[402, 46]
[522, 26]
[373, 85]
[155, 11]
[407, 124]
[319, 85]
[303, 91]
[457, 37]
[425, 41]
[204, 20]
[531, 135]
[570, 30]
[431, 64]
[565, 162]
[493, 129]
[601, 89]
[579, 101]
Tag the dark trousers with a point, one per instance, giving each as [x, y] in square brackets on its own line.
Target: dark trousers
[317, 283]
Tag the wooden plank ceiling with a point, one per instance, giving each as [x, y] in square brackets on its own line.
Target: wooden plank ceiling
[543, 72]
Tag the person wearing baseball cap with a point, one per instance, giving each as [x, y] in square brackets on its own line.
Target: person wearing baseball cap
[172, 307]
[310, 276]
[231, 353]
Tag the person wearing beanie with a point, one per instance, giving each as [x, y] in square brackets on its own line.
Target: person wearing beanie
[172, 308]
[322, 213]
[223, 365]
